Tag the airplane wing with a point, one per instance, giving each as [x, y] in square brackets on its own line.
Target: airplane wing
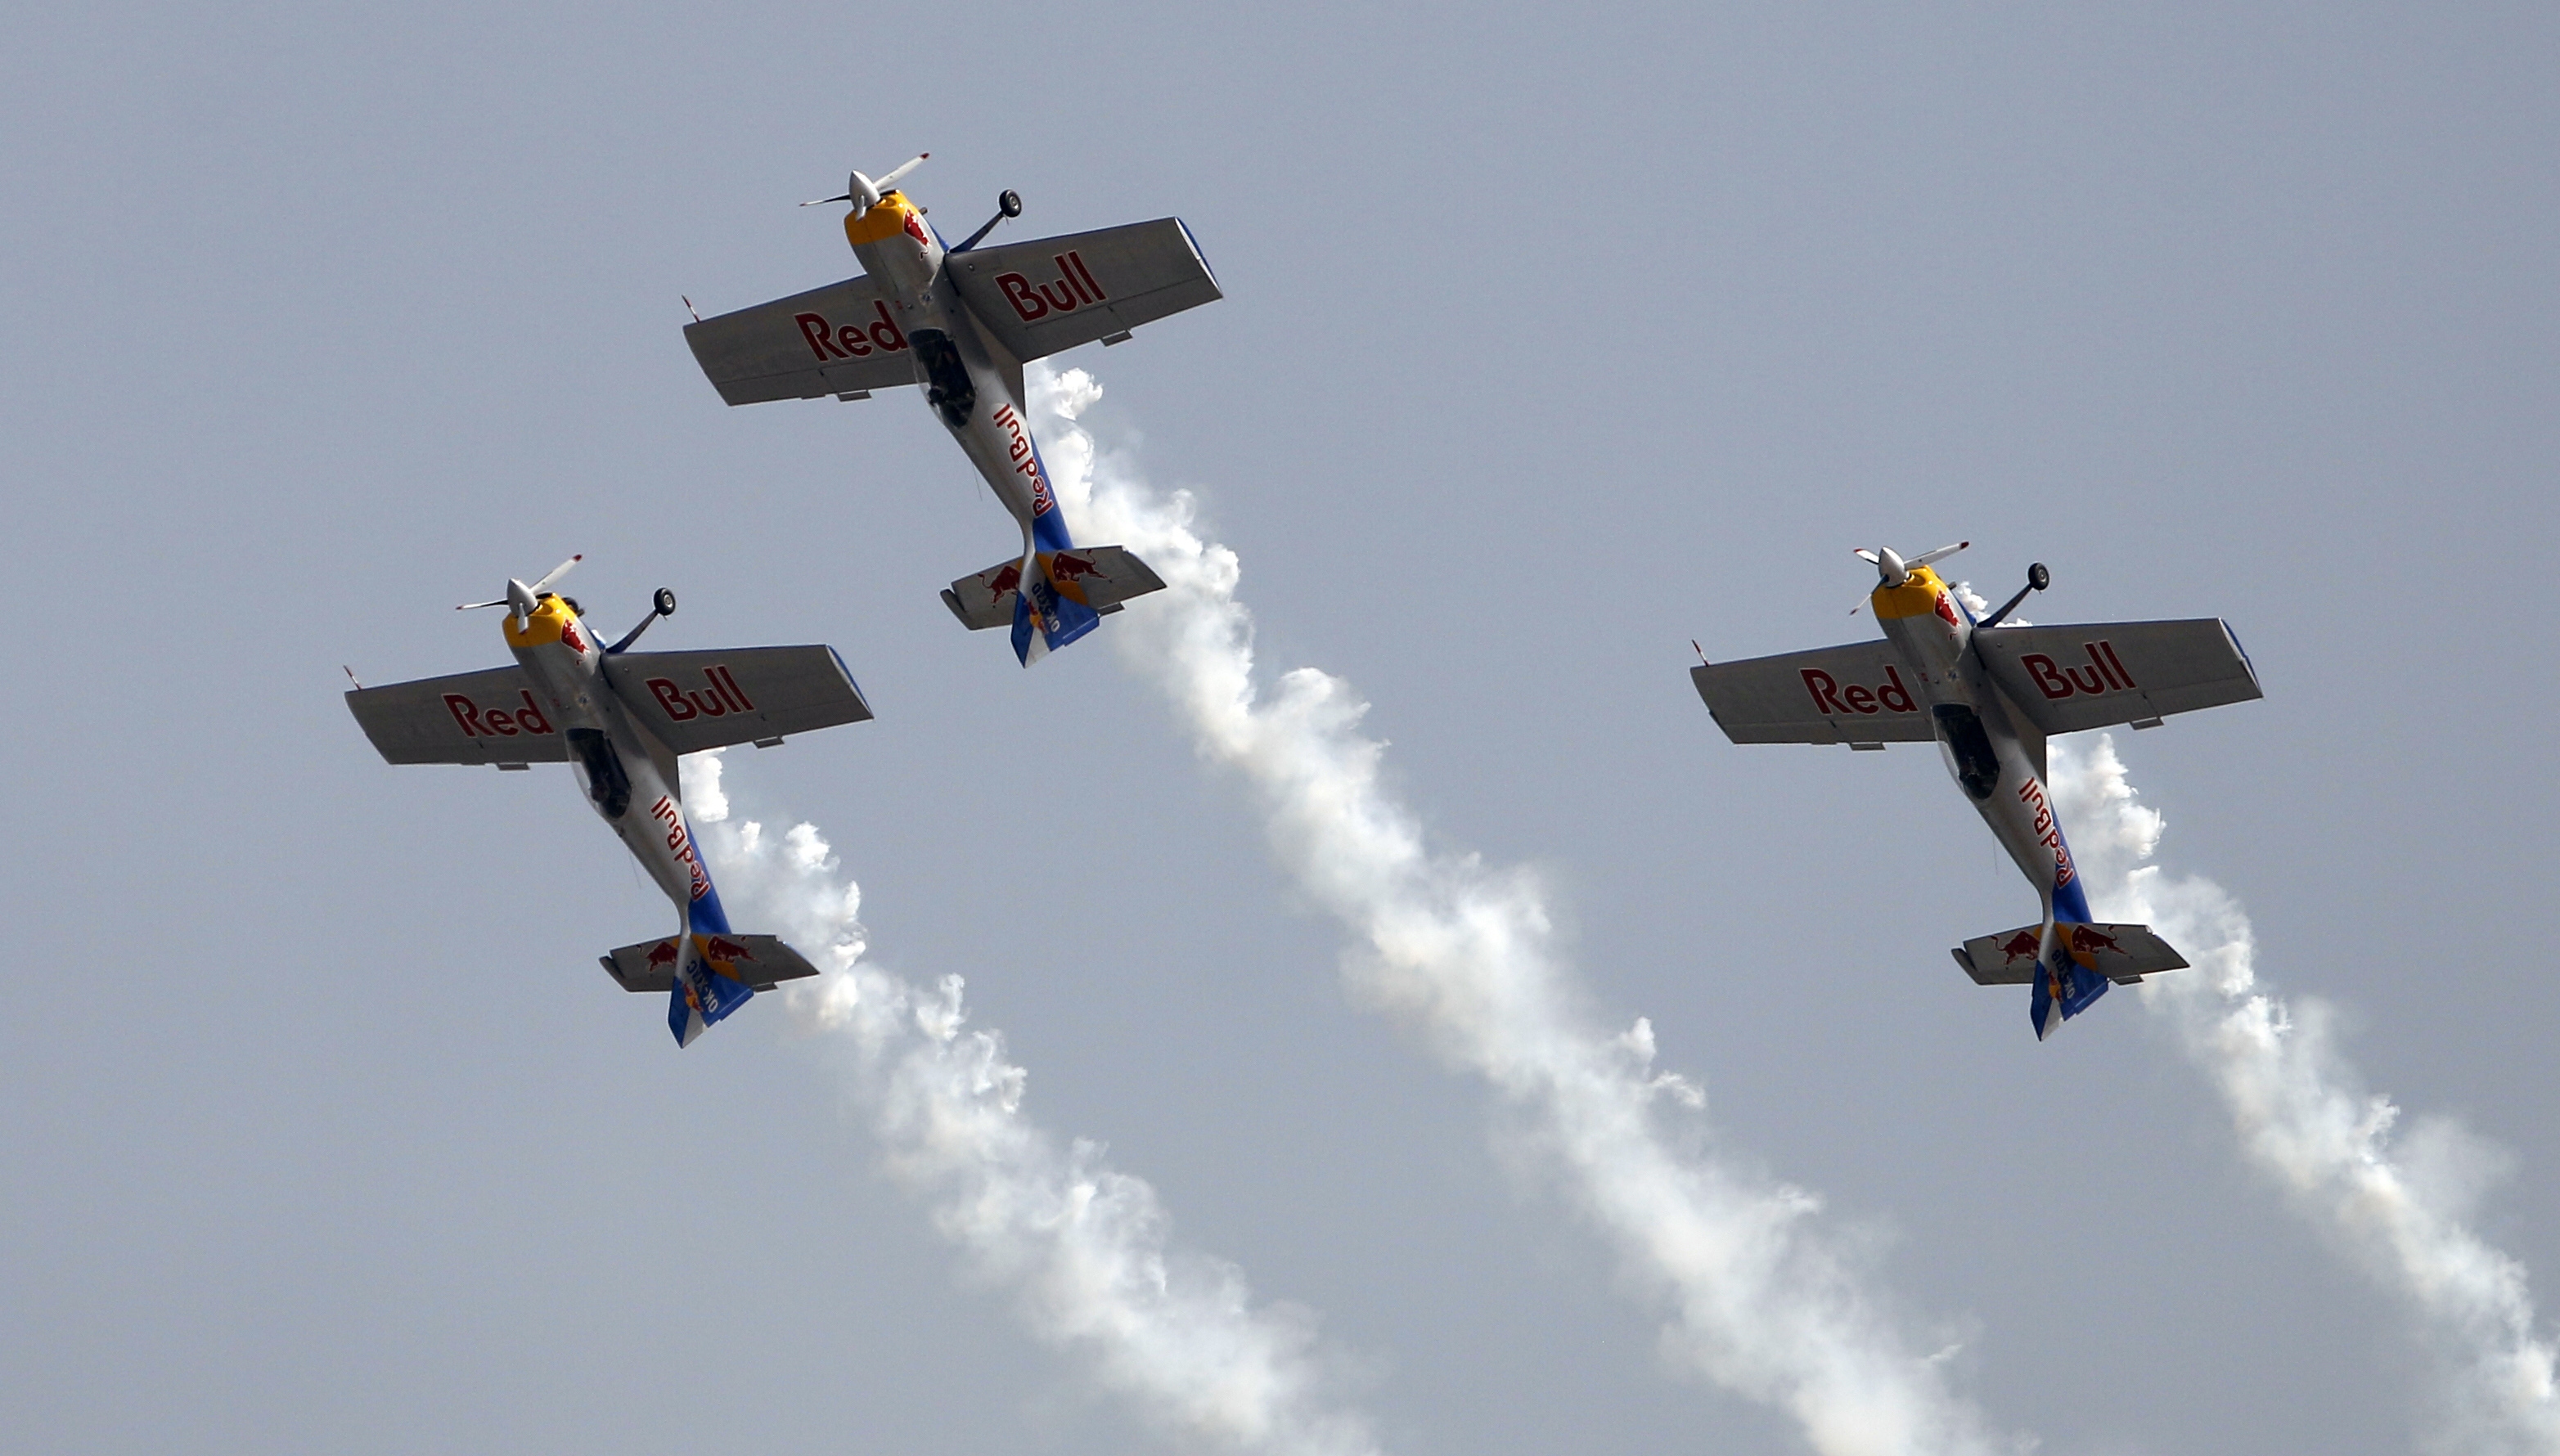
[2071, 679]
[837, 340]
[694, 701]
[760, 961]
[1858, 694]
[1040, 297]
[469, 717]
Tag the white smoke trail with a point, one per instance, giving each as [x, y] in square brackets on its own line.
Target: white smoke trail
[1087, 1248]
[1760, 1299]
[2399, 1207]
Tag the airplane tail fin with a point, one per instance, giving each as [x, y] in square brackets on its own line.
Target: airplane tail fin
[2071, 970]
[1072, 589]
[706, 976]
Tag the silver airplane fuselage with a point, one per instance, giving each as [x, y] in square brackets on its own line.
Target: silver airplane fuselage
[1994, 755]
[629, 779]
[973, 386]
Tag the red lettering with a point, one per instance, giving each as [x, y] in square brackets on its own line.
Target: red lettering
[530, 718]
[1825, 690]
[849, 339]
[1086, 274]
[2093, 684]
[502, 722]
[670, 699]
[466, 712]
[716, 708]
[885, 333]
[1893, 694]
[1062, 305]
[726, 682]
[813, 327]
[1075, 285]
[2048, 680]
[2103, 654]
[1019, 293]
[1860, 699]
[2121, 676]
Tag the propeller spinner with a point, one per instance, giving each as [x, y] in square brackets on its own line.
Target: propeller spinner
[865, 192]
[1892, 570]
[521, 598]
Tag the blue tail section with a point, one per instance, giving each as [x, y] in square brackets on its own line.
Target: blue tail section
[2062, 994]
[702, 993]
[2064, 987]
[1045, 620]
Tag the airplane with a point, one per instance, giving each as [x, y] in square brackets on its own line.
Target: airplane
[961, 322]
[1990, 696]
[619, 719]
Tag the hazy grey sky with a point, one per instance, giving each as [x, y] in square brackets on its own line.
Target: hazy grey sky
[1550, 342]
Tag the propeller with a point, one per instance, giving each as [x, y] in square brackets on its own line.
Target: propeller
[865, 192]
[1892, 570]
[520, 598]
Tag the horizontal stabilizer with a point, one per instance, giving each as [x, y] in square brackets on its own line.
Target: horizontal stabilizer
[1099, 577]
[757, 962]
[2121, 953]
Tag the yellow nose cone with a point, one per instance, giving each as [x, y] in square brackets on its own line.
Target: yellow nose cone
[1916, 597]
[886, 221]
[542, 628]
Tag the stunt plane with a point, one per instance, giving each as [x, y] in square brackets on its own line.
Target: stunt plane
[619, 719]
[1990, 696]
[961, 322]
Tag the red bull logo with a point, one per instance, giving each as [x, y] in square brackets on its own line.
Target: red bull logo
[662, 954]
[2089, 940]
[1073, 290]
[1004, 582]
[829, 340]
[570, 635]
[1831, 697]
[1065, 568]
[2105, 673]
[679, 844]
[2047, 833]
[496, 723]
[721, 948]
[2022, 947]
[1026, 461]
[723, 699]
